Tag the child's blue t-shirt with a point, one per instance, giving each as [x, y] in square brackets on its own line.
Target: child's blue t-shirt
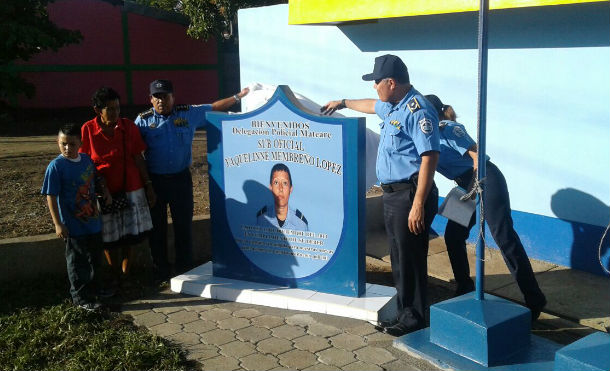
[73, 182]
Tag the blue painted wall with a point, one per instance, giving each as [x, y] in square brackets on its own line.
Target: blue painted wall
[548, 101]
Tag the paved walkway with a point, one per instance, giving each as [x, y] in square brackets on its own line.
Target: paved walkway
[232, 336]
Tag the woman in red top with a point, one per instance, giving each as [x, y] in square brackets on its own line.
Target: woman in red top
[116, 148]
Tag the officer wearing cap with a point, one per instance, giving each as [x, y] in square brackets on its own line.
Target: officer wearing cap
[406, 161]
[458, 161]
[168, 130]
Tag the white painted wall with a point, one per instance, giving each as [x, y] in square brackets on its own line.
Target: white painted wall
[548, 106]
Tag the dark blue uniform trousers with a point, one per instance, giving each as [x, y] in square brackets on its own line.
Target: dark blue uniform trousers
[175, 190]
[409, 253]
[498, 217]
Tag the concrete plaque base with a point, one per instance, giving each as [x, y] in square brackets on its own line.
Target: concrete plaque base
[377, 304]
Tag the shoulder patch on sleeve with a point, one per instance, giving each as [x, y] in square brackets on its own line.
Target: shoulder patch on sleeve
[425, 125]
[458, 131]
[182, 107]
[146, 114]
[413, 105]
[300, 215]
[261, 211]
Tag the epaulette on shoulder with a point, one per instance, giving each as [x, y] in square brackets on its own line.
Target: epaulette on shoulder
[443, 124]
[182, 107]
[261, 211]
[146, 114]
[413, 105]
[300, 215]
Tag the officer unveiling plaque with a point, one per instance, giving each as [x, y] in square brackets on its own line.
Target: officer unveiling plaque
[287, 197]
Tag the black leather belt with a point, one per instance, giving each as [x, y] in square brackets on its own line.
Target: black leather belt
[398, 186]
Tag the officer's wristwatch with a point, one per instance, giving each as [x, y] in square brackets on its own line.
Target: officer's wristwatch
[237, 98]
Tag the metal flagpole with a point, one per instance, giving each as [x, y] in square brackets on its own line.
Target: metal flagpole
[481, 129]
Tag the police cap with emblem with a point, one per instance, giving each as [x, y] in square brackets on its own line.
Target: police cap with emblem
[161, 86]
[388, 66]
[437, 103]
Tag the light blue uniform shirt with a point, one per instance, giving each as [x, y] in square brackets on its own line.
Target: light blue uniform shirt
[455, 141]
[266, 217]
[170, 138]
[409, 128]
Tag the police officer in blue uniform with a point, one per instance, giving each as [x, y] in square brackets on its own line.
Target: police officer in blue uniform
[406, 160]
[168, 131]
[458, 162]
[280, 215]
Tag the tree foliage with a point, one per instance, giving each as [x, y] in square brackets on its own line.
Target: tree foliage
[208, 18]
[25, 29]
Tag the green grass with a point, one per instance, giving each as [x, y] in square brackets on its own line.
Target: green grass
[41, 330]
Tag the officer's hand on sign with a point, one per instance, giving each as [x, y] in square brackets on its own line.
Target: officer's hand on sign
[243, 93]
[332, 106]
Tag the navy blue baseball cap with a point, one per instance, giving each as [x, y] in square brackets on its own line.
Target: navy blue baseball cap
[388, 66]
[437, 103]
[161, 86]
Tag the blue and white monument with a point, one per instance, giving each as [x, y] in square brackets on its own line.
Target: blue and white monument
[287, 206]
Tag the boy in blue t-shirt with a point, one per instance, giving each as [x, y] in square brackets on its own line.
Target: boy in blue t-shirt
[69, 184]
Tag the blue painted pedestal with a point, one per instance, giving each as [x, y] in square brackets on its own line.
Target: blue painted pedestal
[591, 353]
[470, 334]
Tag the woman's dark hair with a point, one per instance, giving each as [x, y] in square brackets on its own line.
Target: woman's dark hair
[70, 130]
[103, 95]
[279, 167]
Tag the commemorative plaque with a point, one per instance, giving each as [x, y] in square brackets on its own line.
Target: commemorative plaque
[287, 197]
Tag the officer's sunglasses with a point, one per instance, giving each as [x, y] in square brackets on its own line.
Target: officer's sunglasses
[378, 81]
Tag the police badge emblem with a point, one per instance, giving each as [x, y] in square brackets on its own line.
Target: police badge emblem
[425, 125]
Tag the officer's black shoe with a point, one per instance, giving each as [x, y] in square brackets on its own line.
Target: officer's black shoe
[536, 309]
[382, 325]
[400, 329]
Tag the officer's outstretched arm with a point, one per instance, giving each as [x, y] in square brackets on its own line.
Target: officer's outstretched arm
[226, 103]
[360, 105]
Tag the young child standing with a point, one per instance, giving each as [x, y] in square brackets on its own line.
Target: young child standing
[69, 185]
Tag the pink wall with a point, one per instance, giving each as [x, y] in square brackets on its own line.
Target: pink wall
[153, 41]
[100, 24]
[71, 89]
[158, 49]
